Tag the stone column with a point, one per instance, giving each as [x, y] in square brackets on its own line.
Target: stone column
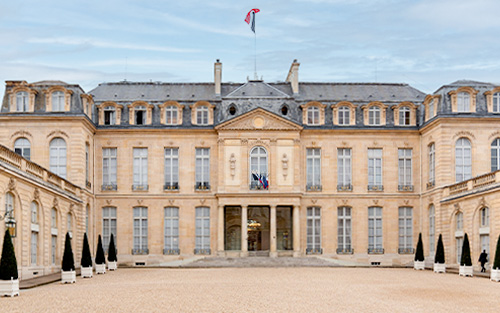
[244, 231]
[273, 253]
[220, 231]
[296, 231]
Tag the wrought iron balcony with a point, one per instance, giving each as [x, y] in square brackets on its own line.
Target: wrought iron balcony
[347, 187]
[140, 187]
[406, 250]
[314, 251]
[202, 251]
[256, 185]
[202, 186]
[345, 251]
[140, 251]
[109, 187]
[171, 251]
[310, 187]
[171, 186]
[375, 250]
[405, 187]
[375, 187]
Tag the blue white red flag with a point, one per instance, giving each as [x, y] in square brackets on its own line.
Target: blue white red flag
[250, 19]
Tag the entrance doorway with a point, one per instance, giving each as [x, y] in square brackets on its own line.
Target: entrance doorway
[258, 227]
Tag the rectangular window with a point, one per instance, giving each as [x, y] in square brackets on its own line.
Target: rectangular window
[109, 116]
[405, 230]
[53, 249]
[108, 226]
[344, 115]
[140, 169]
[140, 115]
[405, 169]
[202, 244]
[459, 242]
[202, 169]
[140, 231]
[344, 169]
[432, 165]
[171, 169]
[171, 231]
[496, 102]
[313, 169]
[431, 109]
[463, 102]
[34, 247]
[404, 116]
[375, 169]
[374, 116]
[344, 230]
[375, 244]
[314, 230]
[87, 160]
[432, 230]
[109, 169]
[202, 115]
[485, 243]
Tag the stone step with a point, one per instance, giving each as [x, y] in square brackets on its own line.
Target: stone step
[260, 261]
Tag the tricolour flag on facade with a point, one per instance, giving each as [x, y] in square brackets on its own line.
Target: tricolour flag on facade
[250, 19]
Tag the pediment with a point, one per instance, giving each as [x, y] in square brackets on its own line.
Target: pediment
[259, 119]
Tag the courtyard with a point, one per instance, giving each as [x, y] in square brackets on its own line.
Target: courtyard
[263, 290]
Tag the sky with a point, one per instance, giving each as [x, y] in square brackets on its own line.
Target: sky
[425, 43]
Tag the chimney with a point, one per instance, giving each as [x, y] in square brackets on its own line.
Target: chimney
[217, 76]
[293, 77]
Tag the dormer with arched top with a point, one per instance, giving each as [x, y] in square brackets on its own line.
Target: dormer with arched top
[463, 100]
[57, 99]
[171, 113]
[21, 97]
[140, 113]
[87, 102]
[109, 113]
[493, 100]
[313, 113]
[405, 114]
[374, 114]
[202, 113]
[344, 113]
[431, 106]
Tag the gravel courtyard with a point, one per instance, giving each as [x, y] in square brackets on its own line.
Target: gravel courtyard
[263, 290]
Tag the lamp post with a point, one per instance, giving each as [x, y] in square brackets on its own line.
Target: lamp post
[10, 222]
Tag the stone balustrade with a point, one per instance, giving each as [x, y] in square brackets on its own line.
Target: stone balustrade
[472, 184]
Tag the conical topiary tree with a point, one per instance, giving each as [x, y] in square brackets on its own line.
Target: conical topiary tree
[112, 250]
[68, 262]
[439, 257]
[466, 260]
[496, 263]
[419, 254]
[86, 256]
[99, 256]
[8, 262]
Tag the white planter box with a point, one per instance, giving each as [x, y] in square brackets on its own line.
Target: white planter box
[465, 270]
[439, 268]
[87, 272]
[419, 265]
[112, 266]
[100, 268]
[9, 287]
[68, 277]
[495, 275]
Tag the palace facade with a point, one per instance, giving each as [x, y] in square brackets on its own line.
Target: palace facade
[351, 171]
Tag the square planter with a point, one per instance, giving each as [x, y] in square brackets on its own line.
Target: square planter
[68, 277]
[87, 272]
[495, 275]
[419, 265]
[439, 268]
[100, 268]
[465, 271]
[9, 287]
[112, 266]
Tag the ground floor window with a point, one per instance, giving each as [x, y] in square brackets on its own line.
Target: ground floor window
[485, 244]
[375, 243]
[108, 226]
[405, 230]
[202, 244]
[459, 241]
[171, 243]
[284, 228]
[53, 248]
[34, 247]
[140, 231]
[344, 230]
[313, 230]
[232, 228]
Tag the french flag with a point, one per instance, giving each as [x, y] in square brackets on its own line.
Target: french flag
[250, 19]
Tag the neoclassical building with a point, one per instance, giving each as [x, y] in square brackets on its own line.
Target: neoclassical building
[352, 171]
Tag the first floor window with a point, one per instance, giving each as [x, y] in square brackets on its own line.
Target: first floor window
[202, 168]
[171, 168]
[344, 229]
[375, 243]
[34, 247]
[171, 229]
[495, 155]
[140, 229]
[108, 167]
[344, 167]
[57, 155]
[374, 167]
[202, 229]
[313, 168]
[108, 226]
[405, 229]
[53, 249]
[432, 163]
[463, 160]
[405, 167]
[314, 228]
[140, 168]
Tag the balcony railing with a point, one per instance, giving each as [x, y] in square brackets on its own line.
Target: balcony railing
[202, 251]
[473, 184]
[140, 251]
[310, 187]
[345, 251]
[405, 187]
[375, 187]
[201, 186]
[406, 250]
[256, 185]
[314, 251]
[375, 250]
[171, 186]
[171, 251]
[140, 187]
[109, 187]
[347, 187]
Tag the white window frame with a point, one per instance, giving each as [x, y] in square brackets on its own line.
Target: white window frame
[484, 217]
[137, 109]
[432, 229]
[495, 155]
[463, 102]
[344, 231]
[35, 229]
[87, 163]
[171, 168]
[109, 225]
[22, 101]
[109, 166]
[140, 229]
[374, 116]
[202, 167]
[53, 248]
[405, 229]
[140, 180]
[258, 164]
[344, 115]
[313, 168]
[202, 115]
[22, 146]
[58, 157]
[463, 159]
[314, 228]
[171, 113]
[344, 167]
[432, 164]
[404, 116]
[375, 167]
[171, 229]
[111, 111]
[313, 115]
[375, 229]
[496, 102]
[69, 224]
[58, 100]
[54, 233]
[202, 229]
[405, 167]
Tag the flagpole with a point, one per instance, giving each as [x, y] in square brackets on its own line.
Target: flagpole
[255, 55]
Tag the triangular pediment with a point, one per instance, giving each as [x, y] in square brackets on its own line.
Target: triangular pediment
[257, 89]
[259, 119]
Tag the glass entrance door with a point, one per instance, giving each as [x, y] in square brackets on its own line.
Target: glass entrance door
[258, 229]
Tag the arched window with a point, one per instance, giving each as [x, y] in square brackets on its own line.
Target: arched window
[57, 101]
[404, 116]
[22, 101]
[485, 217]
[258, 168]
[9, 204]
[495, 155]
[58, 157]
[22, 147]
[202, 115]
[496, 102]
[463, 102]
[432, 229]
[284, 110]
[35, 228]
[109, 115]
[344, 115]
[313, 115]
[463, 160]
[374, 115]
[171, 115]
[459, 234]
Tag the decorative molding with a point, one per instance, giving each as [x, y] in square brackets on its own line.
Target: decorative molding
[12, 184]
[494, 135]
[244, 141]
[314, 201]
[108, 142]
[171, 201]
[57, 133]
[21, 133]
[406, 202]
[345, 201]
[375, 201]
[232, 165]
[284, 161]
[108, 201]
[202, 142]
[55, 202]
[482, 202]
[171, 143]
[407, 144]
[140, 201]
[457, 206]
[36, 194]
[259, 119]
[202, 201]
[464, 133]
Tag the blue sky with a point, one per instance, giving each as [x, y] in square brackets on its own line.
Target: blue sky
[426, 43]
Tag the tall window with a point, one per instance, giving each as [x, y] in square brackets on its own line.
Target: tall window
[140, 169]
[202, 115]
[23, 147]
[404, 116]
[87, 163]
[202, 168]
[432, 229]
[140, 230]
[344, 229]
[432, 164]
[9, 203]
[495, 155]
[140, 115]
[54, 233]
[109, 168]
[171, 231]
[463, 102]
[22, 101]
[344, 169]
[202, 244]
[313, 169]
[87, 216]
[314, 230]
[485, 217]
[375, 244]
[431, 109]
[496, 102]
[171, 115]
[405, 230]
[35, 228]
[109, 115]
[313, 116]
[171, 169]
[258, 167]
[463, 160]
[108, 226]
[375, 169]
[69, 224]
[405, 169]
[58, 157]
[374, 115]
[57, 101]
[344, 115]
[484, 234]
[459, 237]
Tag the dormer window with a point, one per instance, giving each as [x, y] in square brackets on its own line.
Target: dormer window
[22, 101]
[463, 102]
[171, 115]
[463, 99]
[109, 115]
[202, 115]
[344, 115]
[496, 102]
[58, 101]
[374, 116]
[404, 116]
[431, 109]
[313, 115]
[140, 115]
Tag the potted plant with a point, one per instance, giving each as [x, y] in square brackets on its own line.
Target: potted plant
[465, 262]
[439, 265]
[100, 261]
[68, 273]
[86, 262]
[495, 270]
[112, 254]
[9, 282]
[419, 263]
